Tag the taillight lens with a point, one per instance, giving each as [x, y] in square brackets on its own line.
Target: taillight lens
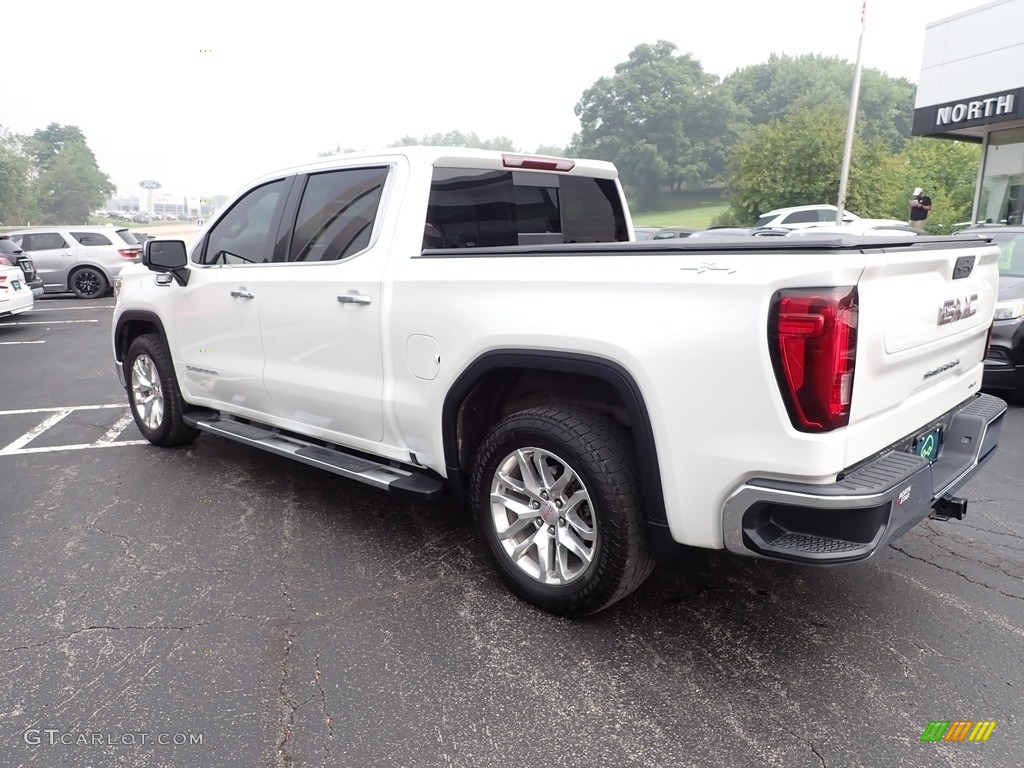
[3, 282]
[812, 335]
[129, 254]
[5, 262]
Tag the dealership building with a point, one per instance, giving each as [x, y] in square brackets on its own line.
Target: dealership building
[972, 89]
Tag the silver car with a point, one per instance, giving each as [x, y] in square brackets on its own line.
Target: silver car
[84, 260]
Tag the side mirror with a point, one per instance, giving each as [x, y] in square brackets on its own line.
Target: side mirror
[167, 256]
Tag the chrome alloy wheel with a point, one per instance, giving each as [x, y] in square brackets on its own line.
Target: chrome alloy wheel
[543, 516]
[147, 394]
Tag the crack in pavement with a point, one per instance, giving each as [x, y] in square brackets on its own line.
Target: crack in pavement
[328, 718]
[958, 573]
[127, 627]
[125, 546]
[971, 664]
[286, 704]
[999, 533]
[996, 566]
[801, 739]
[962, 533]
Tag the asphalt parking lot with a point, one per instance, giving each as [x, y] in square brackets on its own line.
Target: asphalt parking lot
[219, 606]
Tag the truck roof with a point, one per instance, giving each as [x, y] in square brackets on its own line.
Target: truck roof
[462, 157]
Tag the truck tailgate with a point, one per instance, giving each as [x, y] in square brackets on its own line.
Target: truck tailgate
[925, 313]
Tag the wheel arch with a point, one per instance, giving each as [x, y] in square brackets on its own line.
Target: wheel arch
[490, 379]
[132, 324]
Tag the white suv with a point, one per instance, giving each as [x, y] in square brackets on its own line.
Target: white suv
[804, 216]
[84, 260]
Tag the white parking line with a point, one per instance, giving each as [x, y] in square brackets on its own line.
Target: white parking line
[67, 309]
[119, 426]
[50, 322]
[18, 447]
[64, 408]
[23, 342]
[78, 447]
[35, 432]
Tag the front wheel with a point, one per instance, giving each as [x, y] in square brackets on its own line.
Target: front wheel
[153, 393]
[556, 497]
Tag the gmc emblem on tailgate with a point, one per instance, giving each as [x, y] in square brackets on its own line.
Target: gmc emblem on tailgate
[957, 309]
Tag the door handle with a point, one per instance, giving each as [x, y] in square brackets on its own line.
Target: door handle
[354, 298]
[243, 294]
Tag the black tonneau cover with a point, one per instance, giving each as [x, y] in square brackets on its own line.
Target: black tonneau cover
[725, 244]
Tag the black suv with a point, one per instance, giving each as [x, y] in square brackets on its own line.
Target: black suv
[12, 254]
[1004, 360]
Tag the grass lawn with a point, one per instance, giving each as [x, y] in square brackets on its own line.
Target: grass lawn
[697, 208]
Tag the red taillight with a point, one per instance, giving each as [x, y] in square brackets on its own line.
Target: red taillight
[6, 262]
[3, 282]
[129, 254]
[538, 162]
[812, 335]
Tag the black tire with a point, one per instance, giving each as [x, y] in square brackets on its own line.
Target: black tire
[600, 555]
[88, 283]
[148, 371]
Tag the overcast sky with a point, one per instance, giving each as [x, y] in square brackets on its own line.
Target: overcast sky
[204, 96]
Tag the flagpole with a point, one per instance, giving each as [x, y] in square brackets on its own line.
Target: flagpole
[851, 120]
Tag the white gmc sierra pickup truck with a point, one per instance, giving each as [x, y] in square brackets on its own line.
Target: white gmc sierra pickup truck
[431, 319]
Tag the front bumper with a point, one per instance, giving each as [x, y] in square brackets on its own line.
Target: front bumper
[872, 503]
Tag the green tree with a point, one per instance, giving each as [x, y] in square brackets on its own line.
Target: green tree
[46, 144]
[798, 162]
[67, 183]
[14, 180]
[770, 91]
[661, 119]
[947, 170]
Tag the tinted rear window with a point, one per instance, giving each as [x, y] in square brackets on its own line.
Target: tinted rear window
[42, 241]
[6, 246]
[476, 208]
[127, 236]
[801, 217]
[470, 208]
[592, 211]
[91, 239]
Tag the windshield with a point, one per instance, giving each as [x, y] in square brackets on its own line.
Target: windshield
[1011, 256]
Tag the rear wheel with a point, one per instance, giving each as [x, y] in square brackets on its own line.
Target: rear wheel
[556, 497]
[88, 283]
[153, 393]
